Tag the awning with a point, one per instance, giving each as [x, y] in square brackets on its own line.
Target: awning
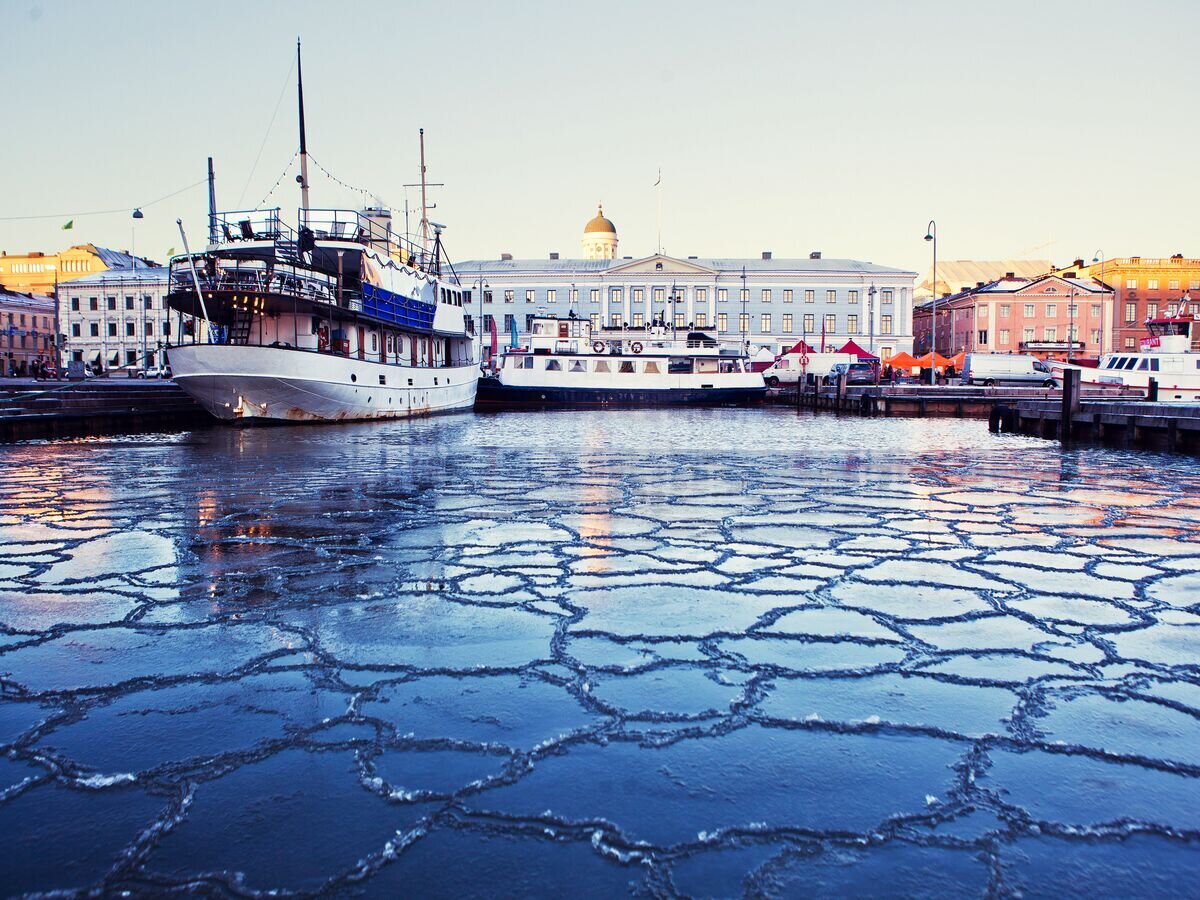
[95, 361]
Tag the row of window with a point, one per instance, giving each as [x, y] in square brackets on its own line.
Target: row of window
[659, 295]
[765, 323]
[21, 320]
[1131, 310]
[1049, 333]
[111, 302]
[1152, 284]
[130, 329]
[1049, 309]
[674, 365]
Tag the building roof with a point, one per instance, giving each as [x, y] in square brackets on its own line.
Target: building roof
[600, 223]
[1011, 286]
[34, 302]
[129, 275]
[119, 259]
[724, 265]
[955, 275]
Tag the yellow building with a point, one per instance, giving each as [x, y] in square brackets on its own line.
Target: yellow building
[38, 273]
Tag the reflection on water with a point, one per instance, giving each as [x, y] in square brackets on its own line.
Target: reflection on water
[706, 652]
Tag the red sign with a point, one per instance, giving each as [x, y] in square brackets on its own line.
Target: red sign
[1150, 342]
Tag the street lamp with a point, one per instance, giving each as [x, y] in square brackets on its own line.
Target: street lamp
[483, 285]
[871, 316]
[1099, 257]
[137, 214]
[931, 235]
[744, 317]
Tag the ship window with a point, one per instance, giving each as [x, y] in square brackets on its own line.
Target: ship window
[374, 342]
[1131, 362]
[525, 362]
[652, 369]
[626, 366]
[1154, 365]
[679, 365]
[1143, 365]
[578, 366]
[553, 365]
[383, 379]
[602, 366]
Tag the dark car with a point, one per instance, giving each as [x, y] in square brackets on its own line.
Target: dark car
[856, 373]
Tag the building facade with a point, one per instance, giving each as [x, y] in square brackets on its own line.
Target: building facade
[27, 332]
[1145, 288]
[117, 318]
[40, 273]
[761, 303]
[957, 275]
[1050, 316]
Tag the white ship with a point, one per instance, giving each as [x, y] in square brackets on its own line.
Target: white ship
[567, 363]
[1170, 354]
[338, 318]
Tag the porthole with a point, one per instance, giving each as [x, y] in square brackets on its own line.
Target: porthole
[353, 377]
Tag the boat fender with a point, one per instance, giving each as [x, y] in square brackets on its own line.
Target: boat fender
[597, 346]
[636, 347]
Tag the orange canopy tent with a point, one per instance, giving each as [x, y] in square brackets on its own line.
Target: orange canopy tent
[958, 359]
[901, 360]
[934, 359]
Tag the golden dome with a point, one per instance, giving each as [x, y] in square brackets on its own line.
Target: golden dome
[600, 223]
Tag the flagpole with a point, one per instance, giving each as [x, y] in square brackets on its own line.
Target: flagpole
[658, 186]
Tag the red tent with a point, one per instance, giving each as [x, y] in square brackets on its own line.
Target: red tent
[857, 351]
[801, 347]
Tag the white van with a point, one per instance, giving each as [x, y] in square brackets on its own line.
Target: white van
[1001, 368]
[787, 369]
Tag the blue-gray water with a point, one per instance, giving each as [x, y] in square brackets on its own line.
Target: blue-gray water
[704, 653]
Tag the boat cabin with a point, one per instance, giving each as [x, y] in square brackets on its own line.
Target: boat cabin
[1176, 334]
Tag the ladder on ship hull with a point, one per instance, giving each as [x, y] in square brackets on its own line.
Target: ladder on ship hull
[239, 331]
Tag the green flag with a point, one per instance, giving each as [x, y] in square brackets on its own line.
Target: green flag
[171, 252]
[70, 224]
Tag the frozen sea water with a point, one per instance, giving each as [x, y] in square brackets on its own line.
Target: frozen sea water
[689, 653]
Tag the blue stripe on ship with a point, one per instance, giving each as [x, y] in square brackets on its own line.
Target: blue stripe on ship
[406, 312]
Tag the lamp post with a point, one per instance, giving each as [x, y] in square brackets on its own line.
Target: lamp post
[871, 316]
[483, 285]
[931, 235]
[1099, 257]
[744, 318]
[137, 214]
[1071, 324]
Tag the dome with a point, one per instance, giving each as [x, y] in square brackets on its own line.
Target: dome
[600, 223]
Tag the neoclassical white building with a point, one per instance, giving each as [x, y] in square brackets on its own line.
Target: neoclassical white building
[769, 303]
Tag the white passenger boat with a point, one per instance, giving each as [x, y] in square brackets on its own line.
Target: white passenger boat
[1170, 354]
[567, 363]
[338, 318]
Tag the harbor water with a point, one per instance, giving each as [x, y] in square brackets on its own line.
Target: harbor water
[700, 653]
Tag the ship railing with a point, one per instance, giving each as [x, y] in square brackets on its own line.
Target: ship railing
[250, 225]
[257, 277]
[352, 225]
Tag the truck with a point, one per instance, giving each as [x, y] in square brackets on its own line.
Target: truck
[991, 369]
[787, 369]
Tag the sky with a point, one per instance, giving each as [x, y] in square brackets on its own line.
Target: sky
[1046, 130]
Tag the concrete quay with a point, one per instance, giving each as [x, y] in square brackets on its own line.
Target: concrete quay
[1123, 423]
[51, 409]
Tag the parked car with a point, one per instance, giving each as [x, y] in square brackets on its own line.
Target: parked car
[991, 369]
[155, 372]
[856, 373]
[788, 369]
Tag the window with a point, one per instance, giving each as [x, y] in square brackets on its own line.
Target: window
[574, 295]
[594, 318]
[982, 338]
[701, 320]
[112, 329]
[744, 322]
[787, 295]
[766, 295]
[701, 295]
[1095, 309]
[852, 324]
[1052, 309]
[886, 295]
[129, 329]
[1131, 284]
[658, 295]
[679, 317]
[74, 304]
[1152, 284]
[75, 330]
[1096, 337]
[764, 323]
[553, 365]
[1173, 284]
[722, 295]
[487, 296]
[652, 368]
[508, 297]
[885, 324]
[602, 366]
[614, 320]
[1027, 335]
[529, 323]
[111, 301]
[129, 303]
[1005, 309]
[852, 296]
[722, 321]
[1003, 336]
[1194, 284]
[1050, 333]
[577, 365]
[614, 295]
[1128, 343]
[830, 323]
[166, 329]
[594, 295]
[1130, 312]
[130, 357]
[1029, 311]
[551, 296]
[529, 296]
[95, 329]
[1152, 310]
[626, 367]
[638, 295]
[1170, 310]
[508, 322]
[787, 323]
[809, 296]
[92, 304]
[147, 301]
[488, 321]
[831, 296]
[637, 320]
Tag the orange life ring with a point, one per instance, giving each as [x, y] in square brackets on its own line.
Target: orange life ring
[597, 346]
[636, 346]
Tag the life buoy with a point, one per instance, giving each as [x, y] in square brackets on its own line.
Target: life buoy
[597, 346]
[636, 346]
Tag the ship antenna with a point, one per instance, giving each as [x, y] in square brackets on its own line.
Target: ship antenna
[303, 178]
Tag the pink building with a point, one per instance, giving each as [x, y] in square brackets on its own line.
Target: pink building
[1050, 316]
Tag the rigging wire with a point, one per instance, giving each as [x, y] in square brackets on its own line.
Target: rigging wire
[367, 195]
[278, 180]
[104, 212]
[286, 81]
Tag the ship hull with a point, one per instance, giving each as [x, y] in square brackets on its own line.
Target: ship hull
[493, 394]
[246, 383]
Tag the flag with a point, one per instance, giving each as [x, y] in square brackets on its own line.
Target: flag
[659, 180]
[70, 224]
[515, 342]
[170, 251]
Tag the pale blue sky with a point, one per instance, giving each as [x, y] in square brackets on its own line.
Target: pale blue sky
[783, 126]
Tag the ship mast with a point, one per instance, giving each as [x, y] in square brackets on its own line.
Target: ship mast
[424, 204]
[303, 176]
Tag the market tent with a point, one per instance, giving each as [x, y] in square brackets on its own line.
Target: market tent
[901, 360]
[958, 359]
[935, 359]
[856, 351]
[801, 347]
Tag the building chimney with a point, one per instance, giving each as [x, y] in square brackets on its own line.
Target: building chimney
[554, 256]
[766, 254]
[693, 257]
[1010, 275]
[1078, 264]
[505, 257]
[816, 254]
[979, 284]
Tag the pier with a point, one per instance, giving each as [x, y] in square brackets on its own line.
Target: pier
[51, 409]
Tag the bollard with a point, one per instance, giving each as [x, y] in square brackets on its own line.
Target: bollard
[1070, 404]
[841, 389]
[1152, 390]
